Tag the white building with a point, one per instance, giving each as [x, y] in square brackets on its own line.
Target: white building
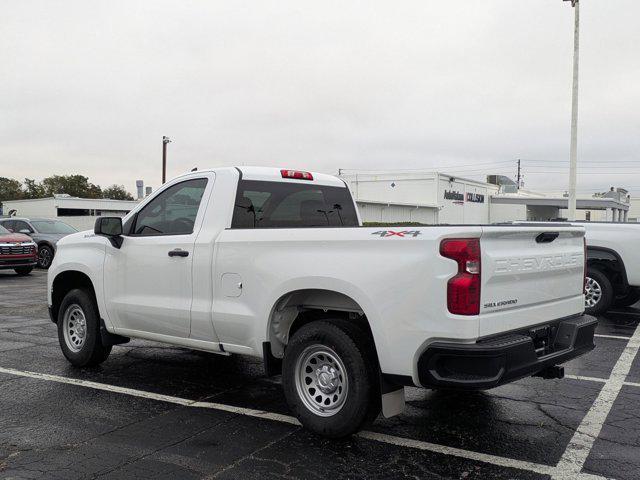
[634, 209]
[80, 213]
[420, 197]
[430, 198]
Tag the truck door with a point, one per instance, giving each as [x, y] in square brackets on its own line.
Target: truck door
[148, 281]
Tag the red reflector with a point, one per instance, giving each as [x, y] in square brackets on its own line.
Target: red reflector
[297, 174]
[463, 290]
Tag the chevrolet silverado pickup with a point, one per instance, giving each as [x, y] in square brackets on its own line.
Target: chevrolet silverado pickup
[613, 265]
[17, 252]
[275, 264]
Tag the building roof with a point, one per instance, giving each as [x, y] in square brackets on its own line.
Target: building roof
[60, 199]
[560, 202]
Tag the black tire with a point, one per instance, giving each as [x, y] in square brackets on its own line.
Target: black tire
[45, 256]
[360, 403]
[630, 298]
[22, 271]
[606, 295]
[91, 351]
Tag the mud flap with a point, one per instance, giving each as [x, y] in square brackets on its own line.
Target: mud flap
[393, 403]
[392, 397]
[110, 339]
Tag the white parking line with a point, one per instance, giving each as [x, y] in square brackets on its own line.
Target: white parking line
[378, 437]
[153, 396]
[575, 456]
[586, 379]
[614, 337]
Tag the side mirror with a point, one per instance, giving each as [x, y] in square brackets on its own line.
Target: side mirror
[25, 231]
[110, 227]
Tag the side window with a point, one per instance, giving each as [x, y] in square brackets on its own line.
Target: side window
[9, 225]
[173, 212]
[20, 225]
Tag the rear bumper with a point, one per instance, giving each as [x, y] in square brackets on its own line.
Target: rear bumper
[499, 360]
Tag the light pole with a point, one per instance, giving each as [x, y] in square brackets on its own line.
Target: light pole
[573, 154]
[165, 140]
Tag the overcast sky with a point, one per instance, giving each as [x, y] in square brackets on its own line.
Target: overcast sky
[464, 87]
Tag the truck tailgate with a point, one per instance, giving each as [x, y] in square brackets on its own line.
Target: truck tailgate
[530, 275]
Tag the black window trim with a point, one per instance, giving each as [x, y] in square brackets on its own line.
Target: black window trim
[134, 219]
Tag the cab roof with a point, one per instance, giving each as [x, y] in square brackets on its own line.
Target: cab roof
[273, 174]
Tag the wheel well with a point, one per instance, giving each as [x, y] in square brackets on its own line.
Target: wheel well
[609, 263]
[64, 283]
[301, 307]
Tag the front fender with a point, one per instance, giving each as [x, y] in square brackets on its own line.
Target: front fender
[86, 257]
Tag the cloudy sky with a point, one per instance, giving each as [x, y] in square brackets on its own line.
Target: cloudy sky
[464, 87]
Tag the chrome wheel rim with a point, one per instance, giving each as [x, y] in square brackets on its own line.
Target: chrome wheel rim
[44, 258]
[74, 325]
[592, 293]
[321, 380]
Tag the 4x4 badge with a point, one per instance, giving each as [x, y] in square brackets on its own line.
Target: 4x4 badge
[393, 233]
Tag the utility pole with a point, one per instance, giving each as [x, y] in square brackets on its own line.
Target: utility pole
[573, 155]
[518, 174]
[165, 141]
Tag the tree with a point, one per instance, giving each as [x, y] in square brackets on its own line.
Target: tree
[10, 189]
[116, 192]
[74, 185]
[32, 189]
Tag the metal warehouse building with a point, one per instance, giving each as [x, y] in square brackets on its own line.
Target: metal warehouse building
[80, 213]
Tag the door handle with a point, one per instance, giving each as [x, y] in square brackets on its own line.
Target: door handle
[547, 237]
[178, 253]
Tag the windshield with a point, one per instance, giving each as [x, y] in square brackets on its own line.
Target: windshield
[52, 226]
[3, 230]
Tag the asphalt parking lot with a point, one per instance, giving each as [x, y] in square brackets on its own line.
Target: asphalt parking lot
[154, 411]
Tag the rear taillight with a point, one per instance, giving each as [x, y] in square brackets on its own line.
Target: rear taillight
[296, 174]
[463, 290]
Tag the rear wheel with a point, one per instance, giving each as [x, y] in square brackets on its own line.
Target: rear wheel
[22, 271]
[631, 297]
[330, 378]
[598, 295]
[79, 330]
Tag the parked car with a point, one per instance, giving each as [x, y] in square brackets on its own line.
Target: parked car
[274, 264]
[45, 232]
[17, 252]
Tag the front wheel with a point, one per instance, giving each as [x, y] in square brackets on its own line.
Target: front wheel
[22, 271]
[330, 378]
[79, 330]
[45, 256]
[598, 294]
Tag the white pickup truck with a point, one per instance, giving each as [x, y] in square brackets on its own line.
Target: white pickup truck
[613, 273]
[274, 264]
[613, 264]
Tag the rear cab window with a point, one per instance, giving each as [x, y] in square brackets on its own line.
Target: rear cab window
[265, 204]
